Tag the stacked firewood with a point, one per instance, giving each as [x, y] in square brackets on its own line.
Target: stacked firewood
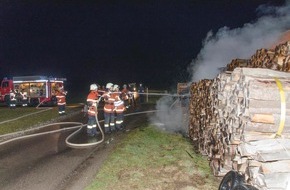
[275, 59]
[200, 118]
[264, 112]
[241, 119]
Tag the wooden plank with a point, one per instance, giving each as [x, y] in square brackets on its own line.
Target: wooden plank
[266, 150]
[250, 127]
[257, 136]
[268, 106]
[262, 118]
[275, 167]
[262, 72]
[274, 181]
[269, 118]
[278, 154]
[268, 91]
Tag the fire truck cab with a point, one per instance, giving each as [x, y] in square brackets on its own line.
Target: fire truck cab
[39, 89]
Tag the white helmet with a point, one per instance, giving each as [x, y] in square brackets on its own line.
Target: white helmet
[115, 87]
[109, 85]
[94, 87]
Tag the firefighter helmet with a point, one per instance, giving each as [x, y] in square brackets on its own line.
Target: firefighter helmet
[109, 85]
[93, 87]
[60, 88]
[115, 87]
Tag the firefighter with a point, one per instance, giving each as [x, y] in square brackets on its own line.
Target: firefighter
[61, 100]
[109, 123]
[92, 100]
[141, 92]
[12, 100]
[131, 96]
[24, 99]
[119, 108]
[125, 95]
[101, 90]
[18, 96]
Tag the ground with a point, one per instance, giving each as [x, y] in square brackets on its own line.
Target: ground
[75, 169]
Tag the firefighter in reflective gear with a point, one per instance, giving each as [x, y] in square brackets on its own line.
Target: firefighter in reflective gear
[109, 122]
[12, 100]
[132, 101]
[61, 100]
[119, 108]
[101, 90]
[92, 100]
[125, 95]
[24, 99]
[141, 92]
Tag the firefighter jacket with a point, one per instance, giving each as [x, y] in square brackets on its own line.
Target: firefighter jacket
[12, 96]
[109, 102]
[91, 101]
[61, 99]
[92, 110]
[24, 95]
[119, 104]
[93, 96]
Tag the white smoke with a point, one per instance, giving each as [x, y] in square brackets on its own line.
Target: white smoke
[220, 49]
[171, 115]
[227, 44]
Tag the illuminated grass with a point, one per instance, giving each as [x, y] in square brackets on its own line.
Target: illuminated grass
[7, 113]
[25, 122]
[151, 159]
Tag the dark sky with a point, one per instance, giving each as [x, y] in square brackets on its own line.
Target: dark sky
[119, 41]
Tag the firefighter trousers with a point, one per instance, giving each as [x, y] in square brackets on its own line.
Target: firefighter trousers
[109, 122]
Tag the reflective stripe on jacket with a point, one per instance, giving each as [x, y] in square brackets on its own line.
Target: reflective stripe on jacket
[109, 102]
[61, 100]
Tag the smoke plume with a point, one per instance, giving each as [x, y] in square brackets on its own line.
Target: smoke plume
[227, 44]
[218, 50]
[171, 115]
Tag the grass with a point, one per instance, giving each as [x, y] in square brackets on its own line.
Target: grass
[38, 116]
[152, 159]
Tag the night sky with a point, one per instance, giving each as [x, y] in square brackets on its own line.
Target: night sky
[120, 41]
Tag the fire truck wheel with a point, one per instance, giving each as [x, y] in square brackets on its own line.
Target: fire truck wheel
[230, 181]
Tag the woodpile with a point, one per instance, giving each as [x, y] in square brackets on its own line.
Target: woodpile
[275, 59]
[241, 119]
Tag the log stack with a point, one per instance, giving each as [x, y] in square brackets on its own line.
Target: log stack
[241, 119]
[274, 59]
[200, 118]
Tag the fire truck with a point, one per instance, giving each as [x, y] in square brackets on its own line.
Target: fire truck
[39, 89]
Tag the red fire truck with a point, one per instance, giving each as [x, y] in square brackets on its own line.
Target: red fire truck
[39, 89]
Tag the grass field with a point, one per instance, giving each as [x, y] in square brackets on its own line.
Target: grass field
[21, 118]
[152, 159]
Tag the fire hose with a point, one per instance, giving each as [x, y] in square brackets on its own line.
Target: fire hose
[76, 125]
[92, 144]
